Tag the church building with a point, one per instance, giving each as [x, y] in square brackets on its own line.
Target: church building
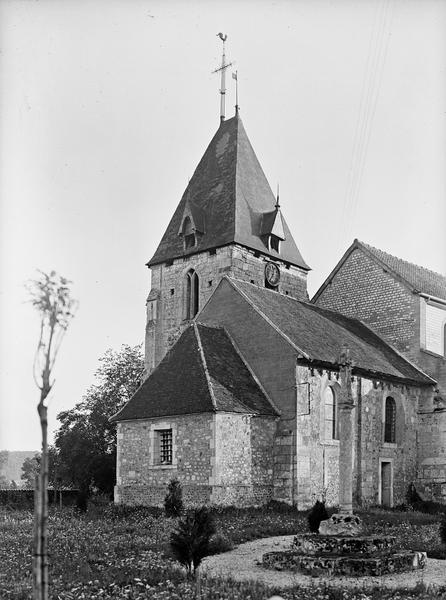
[242, 384]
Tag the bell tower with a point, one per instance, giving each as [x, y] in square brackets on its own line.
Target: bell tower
[228, 222]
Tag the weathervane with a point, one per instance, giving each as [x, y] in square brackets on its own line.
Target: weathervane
[222, 70]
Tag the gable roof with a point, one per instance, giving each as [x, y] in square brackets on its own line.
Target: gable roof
[202, 372]
[318, 335]
[231, 190]
[418, 279]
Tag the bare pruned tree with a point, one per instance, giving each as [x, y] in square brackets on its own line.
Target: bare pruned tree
[51, 297]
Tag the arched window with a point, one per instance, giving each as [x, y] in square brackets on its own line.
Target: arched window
[189, 234]
[390, 421]
[330, 414]
[192, 294]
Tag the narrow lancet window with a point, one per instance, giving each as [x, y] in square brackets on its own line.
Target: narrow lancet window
[192, 294]
[331, 425]
[390, 421]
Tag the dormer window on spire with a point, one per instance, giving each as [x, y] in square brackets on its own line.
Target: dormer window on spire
[274, 243]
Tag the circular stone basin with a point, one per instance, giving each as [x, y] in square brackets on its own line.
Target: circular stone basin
[316, 544]
[354, 565]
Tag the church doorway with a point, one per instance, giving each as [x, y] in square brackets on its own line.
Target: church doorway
[386, 483]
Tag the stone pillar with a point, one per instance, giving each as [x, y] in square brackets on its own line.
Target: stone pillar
[345, 432]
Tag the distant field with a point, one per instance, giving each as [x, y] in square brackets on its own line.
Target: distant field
[113, 552]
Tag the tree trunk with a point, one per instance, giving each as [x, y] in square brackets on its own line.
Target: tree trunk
[41, 512]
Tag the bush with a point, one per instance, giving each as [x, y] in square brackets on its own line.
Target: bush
[173, 502]
[412, 496]
[429, 507]
[190, 543]
[443, 531]
[317, 514]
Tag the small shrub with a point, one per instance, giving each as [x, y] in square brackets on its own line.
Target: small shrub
[173, 502]
[190, 542]
[317, 514]
[412, 496]
[443, 530]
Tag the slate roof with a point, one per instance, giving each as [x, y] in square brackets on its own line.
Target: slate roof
[233, 193]
[203, 372]
[318, 335]
[417, 279]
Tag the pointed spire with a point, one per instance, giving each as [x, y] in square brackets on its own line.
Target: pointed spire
[222, 71]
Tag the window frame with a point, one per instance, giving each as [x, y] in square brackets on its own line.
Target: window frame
[334, 437]
[389, 423]
[156, 430]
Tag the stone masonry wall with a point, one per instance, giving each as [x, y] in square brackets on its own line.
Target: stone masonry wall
[140, 481]
[363, 290]
[167, 319]
[243, 473]
[431, 480]
[222, 458]
[317, 456]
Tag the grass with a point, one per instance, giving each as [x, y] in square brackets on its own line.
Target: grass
[115, 552]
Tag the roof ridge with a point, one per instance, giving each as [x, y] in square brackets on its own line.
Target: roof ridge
[408, 262]
[205, 366]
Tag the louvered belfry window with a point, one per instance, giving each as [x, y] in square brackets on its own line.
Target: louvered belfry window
[165, 446]
[390, 421]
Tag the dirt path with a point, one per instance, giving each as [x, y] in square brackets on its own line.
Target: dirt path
[242, 564]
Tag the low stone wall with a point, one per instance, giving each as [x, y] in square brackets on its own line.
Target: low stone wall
[345, 565]
[153, 495]
[196, 495]
[329, 544]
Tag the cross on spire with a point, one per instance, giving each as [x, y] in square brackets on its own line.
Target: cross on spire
[222, 70]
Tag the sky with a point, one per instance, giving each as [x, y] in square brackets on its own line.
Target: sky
[107, 106]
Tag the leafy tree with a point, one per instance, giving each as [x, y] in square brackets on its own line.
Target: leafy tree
[30, 469]
[86, 440]
[50, 295]
[190, 543]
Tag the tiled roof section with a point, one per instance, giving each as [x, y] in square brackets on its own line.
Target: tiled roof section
[231, 380]
[201, 373]
[319, 334]
[233, 192]
[419, 278]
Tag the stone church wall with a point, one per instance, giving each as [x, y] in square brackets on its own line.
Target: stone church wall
[139, 481]
[317, 456]
[363, 290]
[167, 318]
[223, 459]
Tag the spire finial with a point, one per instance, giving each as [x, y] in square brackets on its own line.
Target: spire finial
[222, 70]
[277, 198]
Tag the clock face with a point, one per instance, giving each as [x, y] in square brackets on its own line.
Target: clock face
[272, 274]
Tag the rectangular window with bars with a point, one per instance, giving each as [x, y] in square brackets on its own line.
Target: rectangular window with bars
[164, 439]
